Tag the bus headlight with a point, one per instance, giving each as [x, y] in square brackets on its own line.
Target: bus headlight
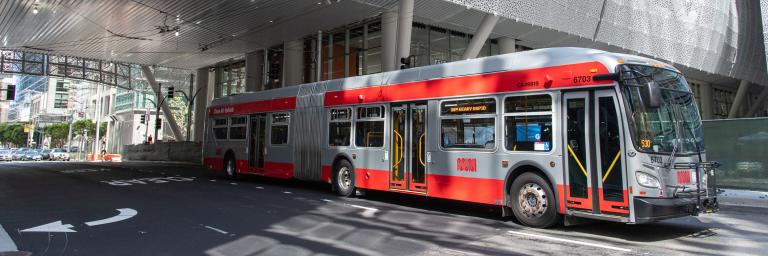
[647, 180]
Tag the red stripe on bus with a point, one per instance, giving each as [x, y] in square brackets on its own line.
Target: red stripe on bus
[371, 179]
[214, 164]
[325, 173]
[561, 198]
[577, 202]
[478, 190]
[614, 207]
[279, 104]
[531, 79]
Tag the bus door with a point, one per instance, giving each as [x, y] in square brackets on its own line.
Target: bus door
[256, 142]
[408, 164]
[594, 173]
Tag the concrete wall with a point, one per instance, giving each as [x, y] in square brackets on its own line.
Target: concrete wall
[164, 151]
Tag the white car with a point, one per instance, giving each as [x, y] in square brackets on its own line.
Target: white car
[58, 154]
[6, 155]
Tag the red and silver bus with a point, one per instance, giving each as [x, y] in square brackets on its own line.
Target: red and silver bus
[548, 135]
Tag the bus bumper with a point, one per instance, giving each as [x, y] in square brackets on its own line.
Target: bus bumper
[653, 209]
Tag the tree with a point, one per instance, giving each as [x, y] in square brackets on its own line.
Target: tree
[89, 127]
[58, 133]
[13, 134]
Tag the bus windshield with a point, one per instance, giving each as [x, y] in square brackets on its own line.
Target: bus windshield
[672, 128]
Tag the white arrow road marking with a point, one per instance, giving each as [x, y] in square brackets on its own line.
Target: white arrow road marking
[125, 213]
[368, 213]
[216, 229]
[55, 226]
[570, 241]
[6, 243]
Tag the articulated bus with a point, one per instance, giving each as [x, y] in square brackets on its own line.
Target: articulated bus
[549, 135]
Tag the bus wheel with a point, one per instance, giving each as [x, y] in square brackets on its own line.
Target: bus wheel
[344, 179]
[533, 201]
[229, 167]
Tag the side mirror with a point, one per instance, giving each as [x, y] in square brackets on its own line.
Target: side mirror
[651, 94]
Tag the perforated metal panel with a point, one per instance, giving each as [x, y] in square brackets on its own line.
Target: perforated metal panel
[721, 37]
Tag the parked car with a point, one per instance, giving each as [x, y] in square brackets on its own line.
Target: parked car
[6, 155]
[19, 154]
[45, 153]
[33, 155]
[58, 154]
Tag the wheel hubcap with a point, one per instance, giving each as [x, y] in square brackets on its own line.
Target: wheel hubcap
[532, 200]
[344, 179]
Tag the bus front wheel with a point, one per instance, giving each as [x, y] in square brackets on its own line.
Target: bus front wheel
[344, 179]
[533, 201]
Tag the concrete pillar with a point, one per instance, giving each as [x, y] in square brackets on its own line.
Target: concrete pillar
[506, 45]
[759, 104]
[254, 64]
[201, 104]
[739, 99]
[481, 35]
[166, 110]
[705, 100]
[293, 58]
[388, 40]
[404, 28]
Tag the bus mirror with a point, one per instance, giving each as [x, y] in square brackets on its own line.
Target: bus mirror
[651, 94]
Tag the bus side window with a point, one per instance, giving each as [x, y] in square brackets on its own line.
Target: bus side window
[339, 127]
[528, 123]
[220, 128]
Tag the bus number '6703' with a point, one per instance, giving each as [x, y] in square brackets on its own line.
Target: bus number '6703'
[466, 164]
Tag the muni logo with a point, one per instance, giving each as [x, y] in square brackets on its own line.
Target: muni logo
[466, 164]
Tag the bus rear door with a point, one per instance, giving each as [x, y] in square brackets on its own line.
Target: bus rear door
[594, 170]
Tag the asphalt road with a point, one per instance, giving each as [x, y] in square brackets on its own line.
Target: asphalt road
[180, 209]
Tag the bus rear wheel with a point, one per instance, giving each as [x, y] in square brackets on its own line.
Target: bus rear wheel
[344, 179]
[533, 201]
[229, 167]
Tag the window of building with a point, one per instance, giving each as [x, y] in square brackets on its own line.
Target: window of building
[279, 132]
[274, 67]
[60, 100]
[373, 61]
[468, 124]
[339, 127]
[369, 126]
[230, 79]
[528, 123]
[722, 99]
[237, 127]
[220, 128]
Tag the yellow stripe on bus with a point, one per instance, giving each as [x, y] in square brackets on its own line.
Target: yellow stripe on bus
[610, 168]
[577, 161]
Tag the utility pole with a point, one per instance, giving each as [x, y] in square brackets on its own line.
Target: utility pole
[157, 108]
[69, 133]
[189, 106]
[100, 106]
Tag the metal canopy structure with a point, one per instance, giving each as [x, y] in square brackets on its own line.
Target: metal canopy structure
[711, 40]
[30, 63]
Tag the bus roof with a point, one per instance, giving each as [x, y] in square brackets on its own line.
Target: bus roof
[547, 57]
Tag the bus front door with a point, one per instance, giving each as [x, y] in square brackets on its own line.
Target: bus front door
[256, 146]
[594, 169]
[408, 136]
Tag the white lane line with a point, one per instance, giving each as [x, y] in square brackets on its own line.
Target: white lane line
[287, 192]
[6, 243]
[571, 241]
[212, 180]
[232, 183]
[125, 213]
[326, 200]
[259, 187]
[368, 213]
[216, 229]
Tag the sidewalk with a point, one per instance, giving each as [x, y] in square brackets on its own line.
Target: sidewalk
[748, 198]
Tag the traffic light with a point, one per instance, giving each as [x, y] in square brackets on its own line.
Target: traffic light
[170, 92]
[158, 123]
[143, 119]
[10, 92]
